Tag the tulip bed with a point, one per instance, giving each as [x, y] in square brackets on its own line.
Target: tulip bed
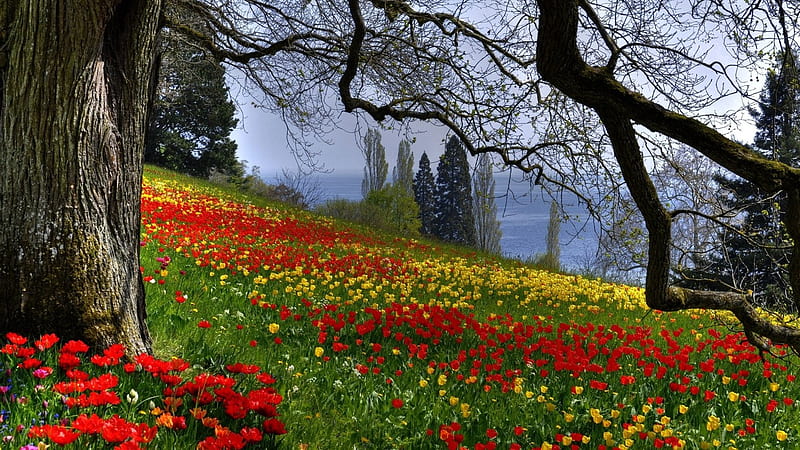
[276, 328]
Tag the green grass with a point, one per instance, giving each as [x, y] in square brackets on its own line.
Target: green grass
[379, 342]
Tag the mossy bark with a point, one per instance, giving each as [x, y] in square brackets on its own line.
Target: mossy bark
[74, 92]
[560, 63]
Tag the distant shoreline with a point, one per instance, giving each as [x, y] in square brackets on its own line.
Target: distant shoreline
[523, 222]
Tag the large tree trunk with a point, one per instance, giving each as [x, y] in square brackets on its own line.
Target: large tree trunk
[74, 85]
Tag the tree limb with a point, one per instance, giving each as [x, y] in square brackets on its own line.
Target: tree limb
[560, 63]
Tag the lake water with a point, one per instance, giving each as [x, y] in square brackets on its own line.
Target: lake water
[523, 215]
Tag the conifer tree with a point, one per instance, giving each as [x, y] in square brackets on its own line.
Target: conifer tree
[192, 116]
[454, 220]
[778, 114]
[487, 227]
[376, 169]
[755, 246]
[425, 195]
[403, 172]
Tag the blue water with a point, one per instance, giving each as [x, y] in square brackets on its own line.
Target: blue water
[523, 215]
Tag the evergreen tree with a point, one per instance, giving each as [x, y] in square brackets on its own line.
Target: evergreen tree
[751, 246]
[376, 169]
[425, 195]
[756, 245]
[487, 227]
[454, 220]
[192, 116]
[778, 114]
[403, 173]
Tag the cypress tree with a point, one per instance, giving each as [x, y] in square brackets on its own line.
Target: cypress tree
[376, 169]
[487, 227]
[552, 257]
[455, 220]
[403, 173]
[425, 195]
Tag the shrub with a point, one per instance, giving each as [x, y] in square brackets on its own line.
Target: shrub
[390, 209]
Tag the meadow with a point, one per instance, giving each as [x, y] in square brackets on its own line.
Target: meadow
[276, 328]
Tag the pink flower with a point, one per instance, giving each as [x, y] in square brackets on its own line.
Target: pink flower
[42, 372]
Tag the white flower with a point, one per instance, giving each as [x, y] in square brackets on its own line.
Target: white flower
[132, 396]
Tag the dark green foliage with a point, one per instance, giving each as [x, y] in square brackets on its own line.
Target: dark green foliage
[754, 247]
[777, 120]
[192, 117]
[425, 195]
[454, 220]
[757, 244]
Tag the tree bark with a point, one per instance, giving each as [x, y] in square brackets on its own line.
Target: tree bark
[560, 63]
[74, 83]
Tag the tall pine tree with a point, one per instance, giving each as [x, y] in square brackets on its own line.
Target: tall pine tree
[756, 245]
[454, 220]
[425, 195]
[778, 113]
[487, 227]
[192, 116]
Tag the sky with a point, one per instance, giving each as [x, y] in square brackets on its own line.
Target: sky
[262, 141]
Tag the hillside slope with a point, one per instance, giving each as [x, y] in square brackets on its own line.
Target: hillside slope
[275, 328]
[386, 342]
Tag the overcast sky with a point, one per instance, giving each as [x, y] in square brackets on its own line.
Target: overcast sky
[261, 137]
[262, 141]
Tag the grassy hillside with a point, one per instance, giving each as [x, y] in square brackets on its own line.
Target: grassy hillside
[277, 328]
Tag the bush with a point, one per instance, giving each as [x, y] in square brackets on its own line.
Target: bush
[395, 210]
[292, 189]
[339, 208]
[390, 209]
